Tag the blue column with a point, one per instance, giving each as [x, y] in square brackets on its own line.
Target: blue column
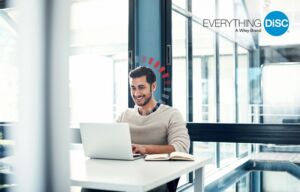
[149, 38]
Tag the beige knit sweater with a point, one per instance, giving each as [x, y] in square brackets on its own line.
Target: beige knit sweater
[165, 126]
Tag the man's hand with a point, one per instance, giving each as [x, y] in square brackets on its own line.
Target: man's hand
[152, 149]
[140, 149]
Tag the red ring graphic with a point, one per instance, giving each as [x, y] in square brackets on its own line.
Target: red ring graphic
[164, 74]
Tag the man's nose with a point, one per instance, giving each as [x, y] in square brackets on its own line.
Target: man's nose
[137, 93]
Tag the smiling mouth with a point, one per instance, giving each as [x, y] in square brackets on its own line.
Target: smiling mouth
[139, 99]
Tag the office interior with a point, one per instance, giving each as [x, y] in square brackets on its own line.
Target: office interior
[66, 62]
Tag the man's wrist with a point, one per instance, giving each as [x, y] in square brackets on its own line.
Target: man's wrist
[147, 149]
[151, 149]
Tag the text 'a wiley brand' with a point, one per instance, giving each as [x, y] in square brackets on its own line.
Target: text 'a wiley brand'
[251, 30]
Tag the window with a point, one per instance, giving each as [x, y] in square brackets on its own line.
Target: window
[180, 3]
[204, 9]
[206, 149]
[243, 104]
[231, 71]
[281, 92]
[98, 60]
[8, 68]
[204, 91]
[243, 86]
[227, 81]
[179, 63]
[204, 75]
[227, 11]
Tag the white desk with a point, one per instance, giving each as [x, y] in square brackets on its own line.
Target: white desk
[138, 175]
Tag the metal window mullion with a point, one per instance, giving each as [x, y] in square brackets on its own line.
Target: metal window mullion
[166, 48]
[237, 151]
[237, 189]
[204, 75]
[191, 174]
[236, 84]
[132, 37]
[217, 47]
[218, 158]
[236, 92]
[190, 63]
[218, 155]
[190, 71]
[217, 53]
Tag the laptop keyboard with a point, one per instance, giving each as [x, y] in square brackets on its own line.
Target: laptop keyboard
[137, 155]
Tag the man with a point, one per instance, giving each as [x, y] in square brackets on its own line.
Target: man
[154, 127]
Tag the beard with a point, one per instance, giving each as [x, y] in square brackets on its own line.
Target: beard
[147, 100]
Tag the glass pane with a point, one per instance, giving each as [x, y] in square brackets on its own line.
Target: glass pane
[241, 13]
[284, 181]
[8, 70]
[98, 60]
[243, 110]
[204, 75]
[9, 94]
[181, 3]
[243, 149]
[206, 149]
[179, 77]
[227, 82]
[204, 9]
[179, 63]
[244, 115]
[94, 25]
[226, 11]
[281, 91]
[230, 189]
[227, 96]
[243, 184]
[227, 153]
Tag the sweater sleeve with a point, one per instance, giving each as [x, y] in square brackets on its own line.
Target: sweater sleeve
[177, 132]
[120, 118]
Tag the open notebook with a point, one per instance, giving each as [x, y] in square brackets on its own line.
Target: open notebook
[173, 156]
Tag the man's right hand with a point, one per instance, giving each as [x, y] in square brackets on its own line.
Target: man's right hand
[139, 149]
[152, 149]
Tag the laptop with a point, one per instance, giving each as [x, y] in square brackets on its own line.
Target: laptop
[107, 141]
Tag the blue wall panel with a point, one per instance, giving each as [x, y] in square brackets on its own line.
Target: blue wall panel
[149, 37]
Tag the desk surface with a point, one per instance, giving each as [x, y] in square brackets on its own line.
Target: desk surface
[138, 175]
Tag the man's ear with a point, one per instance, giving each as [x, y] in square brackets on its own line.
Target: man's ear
[153, 86]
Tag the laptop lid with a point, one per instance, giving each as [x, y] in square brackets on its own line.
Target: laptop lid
[106, 140]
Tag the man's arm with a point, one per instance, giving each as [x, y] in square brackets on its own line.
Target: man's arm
[177, 132]
[152, 149]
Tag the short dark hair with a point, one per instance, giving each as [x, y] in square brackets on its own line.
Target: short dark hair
[143, 71]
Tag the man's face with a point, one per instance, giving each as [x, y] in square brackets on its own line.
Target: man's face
[141, 91]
